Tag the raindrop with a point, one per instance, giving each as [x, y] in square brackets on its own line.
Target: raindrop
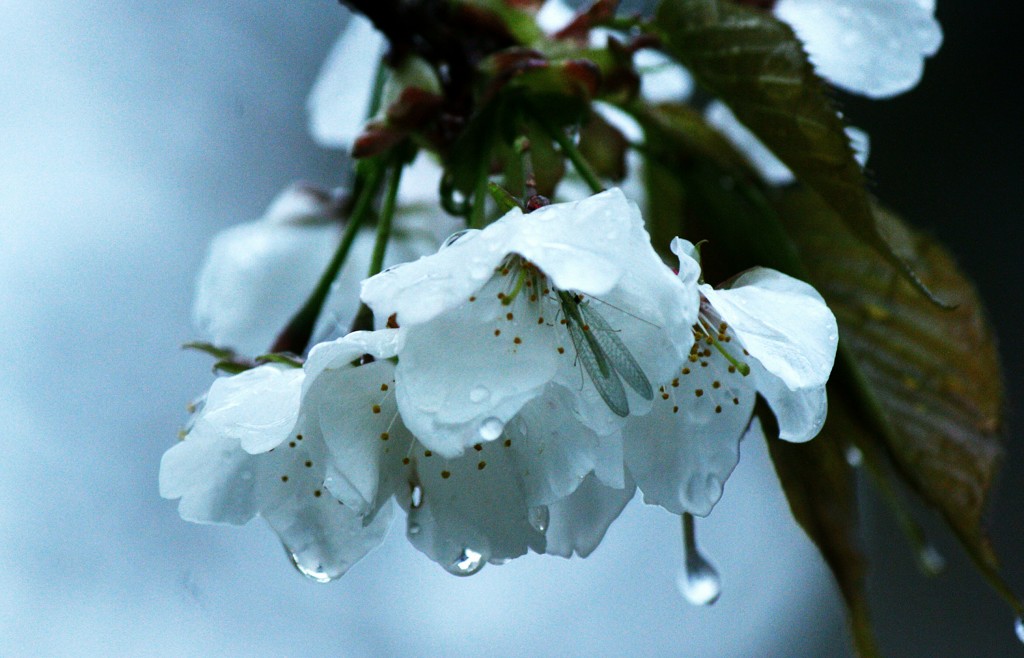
[455, 237]
[414, 528]
[315, 573]
[932, 562]
[479, 394]
[416, 496]
[1018, 628]
[467, 564]
[392, 268]
[854, 457]
[698, 582]
[539, 518]
[491, 428]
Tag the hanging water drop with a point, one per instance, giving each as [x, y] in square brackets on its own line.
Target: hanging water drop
[931, 561]
[479, 394]
[539, 518]
[416, 496]
[413, 529]
[854, 457]
[491, 428]
[1018, 628]
[698, 582]
[313, 572]
[467, 564]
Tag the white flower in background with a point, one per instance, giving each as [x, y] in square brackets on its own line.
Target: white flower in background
[770, 167]
[254, 450]
[766, 334]
[571, 295]
[870, 47]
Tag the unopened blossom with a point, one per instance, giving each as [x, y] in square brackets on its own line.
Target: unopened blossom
[571, 295]
[766, 334]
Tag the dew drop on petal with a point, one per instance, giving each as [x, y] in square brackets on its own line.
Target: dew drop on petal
[539, 518]
[455, 237]
[931, 561]
[1018, 627]
[479, 394]
[468, 563]
[491, 428]
[854, 457]
[314, 572]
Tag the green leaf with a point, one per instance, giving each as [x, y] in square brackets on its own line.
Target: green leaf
[821, 489]
[758, 67]
[929, 379]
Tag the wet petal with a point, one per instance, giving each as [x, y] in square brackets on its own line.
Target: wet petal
[340, 99]
[256, 409]
[472, 509]
[577, 524]
[872, 47]
[684, 450]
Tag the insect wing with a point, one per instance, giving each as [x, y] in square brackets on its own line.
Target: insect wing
[617, 353]
[607, 383]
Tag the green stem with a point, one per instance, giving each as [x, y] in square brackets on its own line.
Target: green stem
[573, 153]
[364, 318]
[296, 335]
[477, 214]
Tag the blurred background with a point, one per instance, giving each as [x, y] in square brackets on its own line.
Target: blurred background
[130, 133]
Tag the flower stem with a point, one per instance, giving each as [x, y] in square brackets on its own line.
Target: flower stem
[573, 153]
[295, 337]
[364, 318]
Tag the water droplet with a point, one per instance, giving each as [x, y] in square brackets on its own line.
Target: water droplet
[854, 457]
[313, 572]
[479, 394]
[491, 428]
[416, 496]
[539, 518]
[467, 564]
[414, 528]
[1018, 628]
[456, 236]
[392, 268]
[931, 561]
[699, 582]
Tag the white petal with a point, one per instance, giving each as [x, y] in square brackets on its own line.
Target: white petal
[577, 524]
[554, 15]
[554, 451]
[783, 322]
[339, 102]
[860, 142]
[800, 414]
[256, 409]
[324, 536]
[578, 245]
[339, 353]
[872, 47]
[213, 477]
[462, 375]
[771, 168]
[683, 451]
[256, 276]
[471, 506]
[364, 436]
[662, 80]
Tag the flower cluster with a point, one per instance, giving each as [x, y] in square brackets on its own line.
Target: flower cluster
[518, 385]
[535, 373]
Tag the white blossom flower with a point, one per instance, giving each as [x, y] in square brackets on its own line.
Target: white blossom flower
[766, 334]
[256, 275]
[253, 449]
[870, 47]
[571, 295]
